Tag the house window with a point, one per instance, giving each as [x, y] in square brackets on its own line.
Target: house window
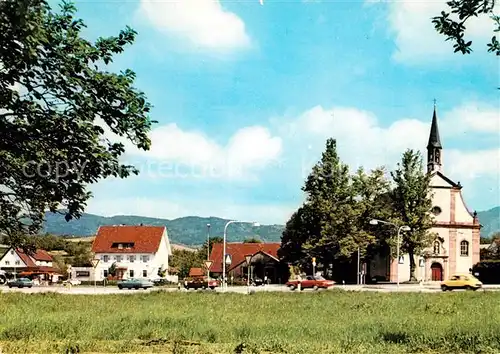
[120, 246]
[464, 248]
[105, 258]
[437, 247]
[105, 273]
[12, 252]
[145, 259]
[118, 258]
[18, 263]
[131, 273]
[144, 273]
[131, 259]
[7, 262]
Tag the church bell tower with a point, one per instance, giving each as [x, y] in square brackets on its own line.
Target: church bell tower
[434, 147]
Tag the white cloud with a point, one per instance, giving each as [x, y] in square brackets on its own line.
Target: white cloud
[363, 141]
[473, 117]
[202, 22]
[161, 208]
[177, 153]
[417, 40]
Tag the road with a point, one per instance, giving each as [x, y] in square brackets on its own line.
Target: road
[89, 290]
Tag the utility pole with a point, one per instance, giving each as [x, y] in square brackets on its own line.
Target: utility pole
[358, 276]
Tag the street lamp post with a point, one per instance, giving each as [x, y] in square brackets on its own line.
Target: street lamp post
[248, 259]
[208, 242]
[208, 250]
[224, 283]
[399, 228]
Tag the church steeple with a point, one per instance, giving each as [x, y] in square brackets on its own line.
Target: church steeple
[434, 146]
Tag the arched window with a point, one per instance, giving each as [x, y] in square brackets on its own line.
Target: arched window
[464, 248]
[437, 247]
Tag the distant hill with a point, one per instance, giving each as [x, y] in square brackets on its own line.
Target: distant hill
[192, 230]
[189, 230]
[490, 219]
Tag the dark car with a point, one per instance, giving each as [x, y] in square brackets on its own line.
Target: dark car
[200, 283]
[20, 283]
[257, 281]
[135, 284]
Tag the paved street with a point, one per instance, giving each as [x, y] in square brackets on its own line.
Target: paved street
[89, 290]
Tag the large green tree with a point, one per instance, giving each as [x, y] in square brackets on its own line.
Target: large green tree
[303, 225]
[55, 86]
[334, 221]
[452, 23]
[372, 191]
[412, 202]
[329, 195]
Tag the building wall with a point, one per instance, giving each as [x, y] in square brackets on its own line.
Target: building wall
[11, 260]
[138, 266]
[162, 258]
[78, 273]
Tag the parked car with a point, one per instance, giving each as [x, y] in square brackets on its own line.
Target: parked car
[72, 282]
[200, 283]
[133, 283]
[20, 283]
[317, 282]
[461, 281]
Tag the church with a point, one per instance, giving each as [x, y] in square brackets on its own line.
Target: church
[456, 246]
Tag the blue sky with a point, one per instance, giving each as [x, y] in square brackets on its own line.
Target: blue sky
[246, 96]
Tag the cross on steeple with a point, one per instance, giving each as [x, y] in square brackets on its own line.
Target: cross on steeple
[434, 102]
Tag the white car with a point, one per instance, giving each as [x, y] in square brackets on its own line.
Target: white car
[72, 282]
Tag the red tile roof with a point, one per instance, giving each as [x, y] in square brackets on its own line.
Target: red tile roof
[29, 260]
[43, 256]
[238, 251]
[145, 239]
[196, 272]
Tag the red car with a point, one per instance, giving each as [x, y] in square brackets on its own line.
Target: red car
[200, 283]
[317, 282]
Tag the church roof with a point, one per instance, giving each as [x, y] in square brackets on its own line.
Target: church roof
[434, 139]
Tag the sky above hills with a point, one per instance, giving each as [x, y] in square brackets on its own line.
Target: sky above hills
[246, 96]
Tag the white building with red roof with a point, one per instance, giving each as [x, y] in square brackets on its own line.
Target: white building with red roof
[18, 261]
[136, 251]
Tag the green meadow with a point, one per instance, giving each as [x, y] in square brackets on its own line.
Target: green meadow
[323, 322]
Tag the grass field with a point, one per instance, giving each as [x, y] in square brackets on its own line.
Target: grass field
[324, 322]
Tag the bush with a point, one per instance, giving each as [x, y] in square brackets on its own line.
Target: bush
[487, 271]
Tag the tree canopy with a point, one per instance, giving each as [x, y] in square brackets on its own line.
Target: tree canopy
[56, 97]
[333, 222]
[412, 200]
[452, 23]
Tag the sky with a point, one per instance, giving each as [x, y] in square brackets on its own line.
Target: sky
[246, 95]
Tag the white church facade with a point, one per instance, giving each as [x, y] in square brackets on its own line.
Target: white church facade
[455, 249]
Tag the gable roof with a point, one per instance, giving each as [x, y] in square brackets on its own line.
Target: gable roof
[447, 180]
[145, 239]
[29, 260]
[238, 251]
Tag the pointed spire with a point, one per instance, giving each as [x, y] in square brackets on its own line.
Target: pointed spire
[434, 139]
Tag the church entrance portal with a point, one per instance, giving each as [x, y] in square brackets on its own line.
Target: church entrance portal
[437, 272]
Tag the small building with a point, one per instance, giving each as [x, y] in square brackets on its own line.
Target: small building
[264, 262]
[133, 251]
[39, 264]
